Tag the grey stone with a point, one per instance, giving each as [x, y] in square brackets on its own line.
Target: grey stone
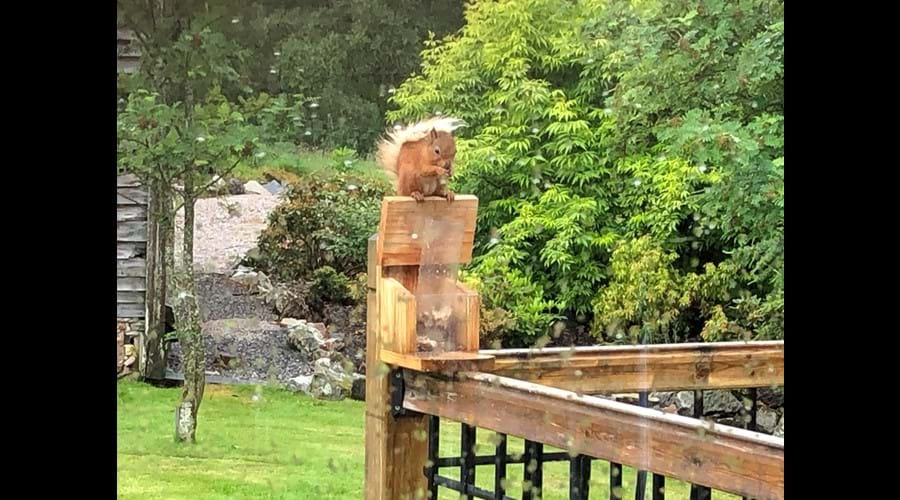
[235, 186]
[766, 420]
[773, 397]
[307, 339]
[720, 402]
[664, 398]
[779, 429]
[274, 187]
[245, 278]
[300, 383]
[684, 400]
[254, 187]
[263, 283]
[290, 322]
[330, 381]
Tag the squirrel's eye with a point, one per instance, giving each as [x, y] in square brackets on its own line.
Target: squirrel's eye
[437, 151]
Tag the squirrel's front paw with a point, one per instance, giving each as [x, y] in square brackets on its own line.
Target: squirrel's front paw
[450, 196]
[417, 195]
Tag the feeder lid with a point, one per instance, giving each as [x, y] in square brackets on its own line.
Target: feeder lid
[406, 224]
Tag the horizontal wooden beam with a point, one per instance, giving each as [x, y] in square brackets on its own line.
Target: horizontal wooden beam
[130, 310]
[130, 268]
[131, 232]
[720, 457]
[131, 196]
[444, 362]
[125, 250]
[660, 367]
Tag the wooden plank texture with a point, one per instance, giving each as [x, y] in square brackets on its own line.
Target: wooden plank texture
[132, 268]
[617, 369]
[127, 180]
[126, 250]
[725, 458]
[131, 284]
[403, 222]
[398, 317]
[131, 196]
[396, 448]
[129, 297]
[447, 362]
[127, 213]
[471, 340]
[130, 310]
[131, 232]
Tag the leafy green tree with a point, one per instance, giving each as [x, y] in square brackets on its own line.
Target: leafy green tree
[611, 139]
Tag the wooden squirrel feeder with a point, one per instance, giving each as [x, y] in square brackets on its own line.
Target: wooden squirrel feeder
[428, 319]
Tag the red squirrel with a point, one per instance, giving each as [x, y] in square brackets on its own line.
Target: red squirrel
[420, 157]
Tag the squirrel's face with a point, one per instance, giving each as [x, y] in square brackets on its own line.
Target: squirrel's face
[442, 151]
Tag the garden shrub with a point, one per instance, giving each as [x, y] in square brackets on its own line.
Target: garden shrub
[322, 223]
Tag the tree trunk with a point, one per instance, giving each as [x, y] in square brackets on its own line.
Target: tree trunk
[151, 357]
[188, 324]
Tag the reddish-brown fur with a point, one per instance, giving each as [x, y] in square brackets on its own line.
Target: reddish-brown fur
[425, 166]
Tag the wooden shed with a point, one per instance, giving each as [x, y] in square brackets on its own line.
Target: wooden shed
[128, 54]
[131, 263]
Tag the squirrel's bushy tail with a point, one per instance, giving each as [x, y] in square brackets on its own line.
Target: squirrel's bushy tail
[389, 147]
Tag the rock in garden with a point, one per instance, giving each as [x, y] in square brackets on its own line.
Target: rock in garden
[274, 187]
[254, 187]
[766, 420]
[235, 186]
[264, 284]
[246, 278]
[300, 383]
[306, 339]
[773, 397]
[684, 400]
[290, 322]
[664, 398]
[720, 402]
[330, 381]
[779, 429]
[287, 302]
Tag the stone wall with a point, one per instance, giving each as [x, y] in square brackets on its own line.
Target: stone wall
[128, 331]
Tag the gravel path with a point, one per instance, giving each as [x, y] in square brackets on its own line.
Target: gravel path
[221, 298]
[260, 347]
[225, 228]
[235, 321]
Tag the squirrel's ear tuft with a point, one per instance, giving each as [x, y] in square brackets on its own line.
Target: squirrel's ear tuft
[433, 133]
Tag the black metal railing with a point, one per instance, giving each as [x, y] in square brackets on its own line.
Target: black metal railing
[533, 459]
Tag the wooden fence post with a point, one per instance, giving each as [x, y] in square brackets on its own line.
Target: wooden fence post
[396, 447]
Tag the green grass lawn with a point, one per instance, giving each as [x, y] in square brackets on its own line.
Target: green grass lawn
[297, 163]
[269, 443]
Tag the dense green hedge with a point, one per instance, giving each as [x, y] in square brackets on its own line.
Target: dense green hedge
[629, 158]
